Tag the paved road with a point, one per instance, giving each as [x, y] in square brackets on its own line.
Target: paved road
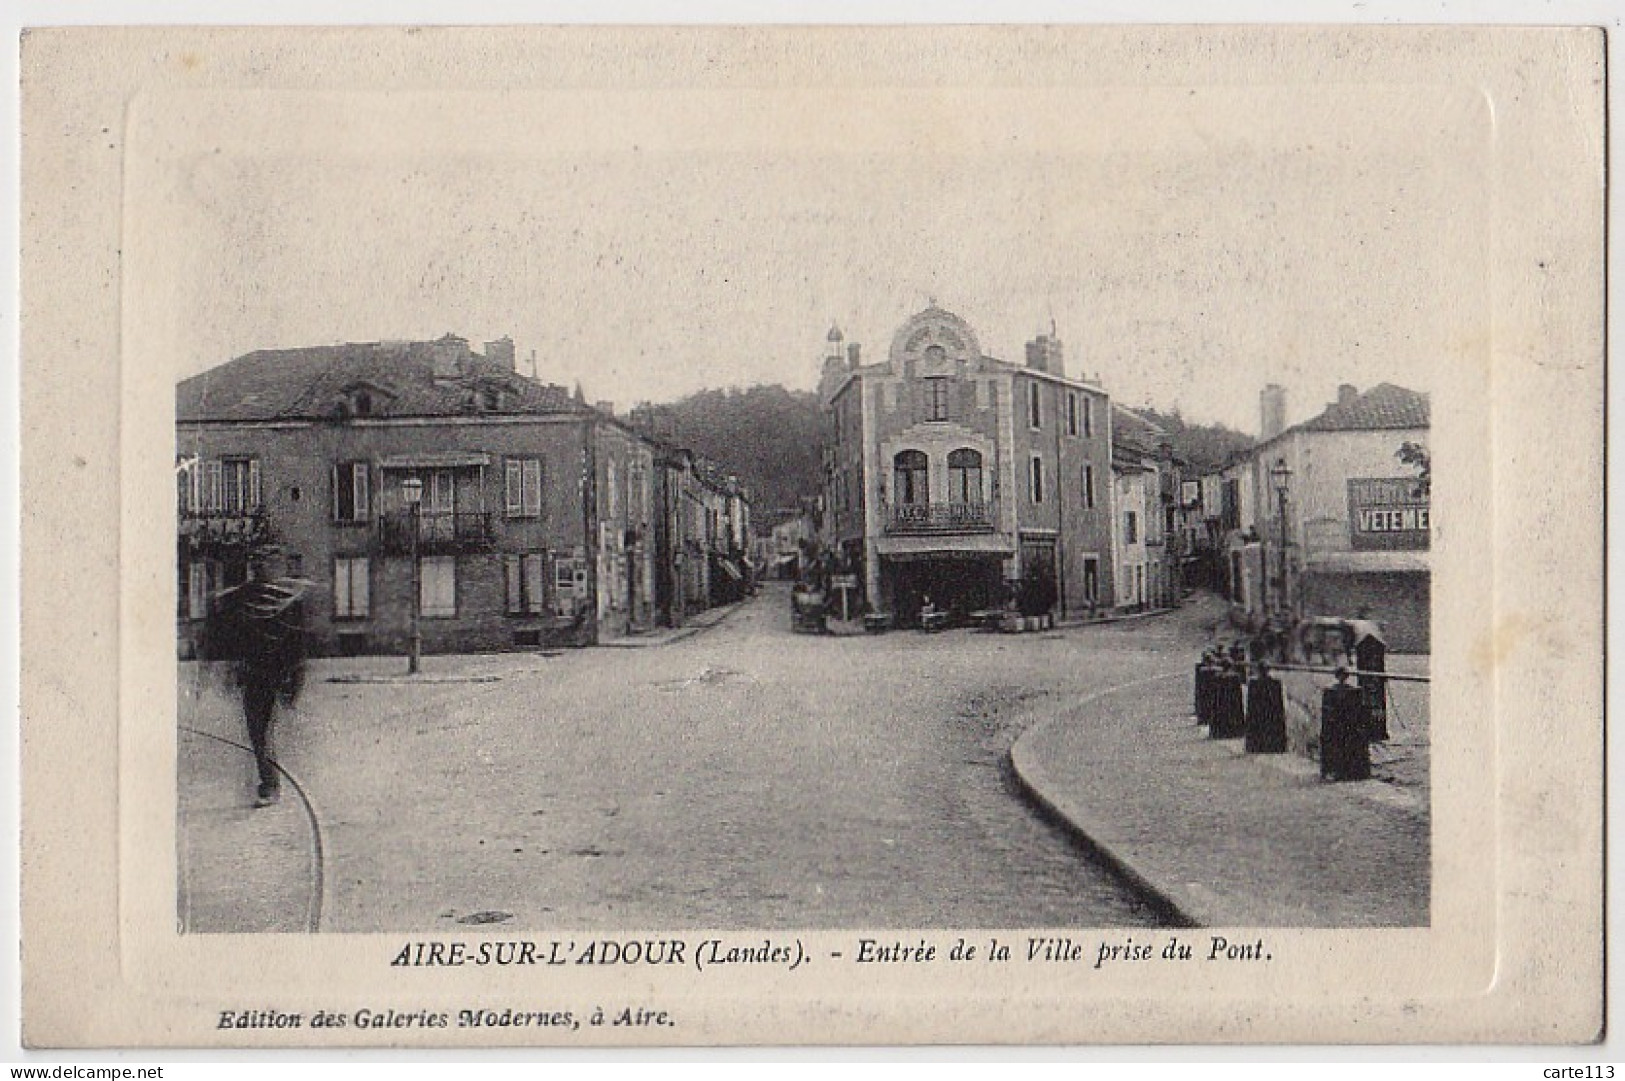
[745, 776]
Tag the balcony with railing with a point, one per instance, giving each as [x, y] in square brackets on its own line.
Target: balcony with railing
[940, 518]
[220, 532]
[439, 532]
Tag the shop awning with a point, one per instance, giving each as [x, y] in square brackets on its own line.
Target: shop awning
[967, 546]
[436, 459]
[731, 569]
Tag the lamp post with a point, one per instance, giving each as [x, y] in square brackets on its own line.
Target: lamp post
[1281, 474]
[412, 489]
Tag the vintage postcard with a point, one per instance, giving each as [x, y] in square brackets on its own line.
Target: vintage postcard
[713, 535]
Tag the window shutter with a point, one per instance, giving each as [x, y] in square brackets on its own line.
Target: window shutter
[341, 587]
[197, 590]
[212, 495]
[361, 586]
[253, 483]
[338, 505]
[514, 488]
[439, 594]
[510, 566]
[534, 588]
[532, 478]
[363, 499]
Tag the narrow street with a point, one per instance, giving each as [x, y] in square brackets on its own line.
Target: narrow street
[743, 777]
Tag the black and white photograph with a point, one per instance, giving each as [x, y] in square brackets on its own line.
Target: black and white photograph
[821, 500]
[916, 535]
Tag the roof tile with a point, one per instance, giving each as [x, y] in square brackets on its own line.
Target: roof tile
[310, 384]
[1384, 406]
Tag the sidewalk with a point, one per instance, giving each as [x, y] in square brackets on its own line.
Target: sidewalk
[1225, 838]
[242, 869]
[665, 636]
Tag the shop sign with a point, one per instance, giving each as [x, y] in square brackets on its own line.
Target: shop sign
[1387, 513]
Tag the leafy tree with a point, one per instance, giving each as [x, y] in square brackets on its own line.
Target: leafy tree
[769, 437]
[1417, 456]
[1207, 447]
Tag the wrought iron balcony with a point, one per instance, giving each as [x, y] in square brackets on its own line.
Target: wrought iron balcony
[940, 518]
[439, 532]
[218, 532]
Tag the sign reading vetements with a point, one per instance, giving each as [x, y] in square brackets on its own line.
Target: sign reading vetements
[1388, 513]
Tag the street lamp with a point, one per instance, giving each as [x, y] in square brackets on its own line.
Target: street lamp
[1281, 474]
[412, 489]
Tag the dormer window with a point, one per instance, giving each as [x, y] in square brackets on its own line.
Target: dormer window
[362, 400]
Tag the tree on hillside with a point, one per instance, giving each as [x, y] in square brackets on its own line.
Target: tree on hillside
[769, 437]
[1207, 447]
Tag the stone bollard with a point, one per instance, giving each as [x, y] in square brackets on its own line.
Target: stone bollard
[1266, 714]
[1229, 714]
[1207, 675]
[1345, 753]
[1204, 676]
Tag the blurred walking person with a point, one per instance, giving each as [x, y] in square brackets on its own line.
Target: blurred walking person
[262, 631]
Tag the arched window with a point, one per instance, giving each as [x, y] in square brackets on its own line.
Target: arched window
[965, 476]
[912, 470]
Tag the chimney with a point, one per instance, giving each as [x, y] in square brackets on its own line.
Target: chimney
[449, 355]
[500, 352]
[1044, 354]
[1346, 393]
[852, 351]
[1272, 409]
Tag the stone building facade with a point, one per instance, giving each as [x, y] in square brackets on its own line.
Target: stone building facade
[960, 478]
[535, 524]
[1357, 526]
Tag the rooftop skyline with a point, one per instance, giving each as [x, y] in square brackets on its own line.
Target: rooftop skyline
[1188, 244]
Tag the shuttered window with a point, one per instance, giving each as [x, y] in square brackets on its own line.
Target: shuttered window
[523, 488]
[438, 575]
[197, 590]
[527, 583]
[352, 593]
[352, 497]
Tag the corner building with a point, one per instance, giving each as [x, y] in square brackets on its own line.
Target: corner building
[954, 475]
[535, 518]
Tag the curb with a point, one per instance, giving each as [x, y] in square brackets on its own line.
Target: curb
[317, 903]
[1175, 908]
[411, 679]
[683, 633]
[1103, 621]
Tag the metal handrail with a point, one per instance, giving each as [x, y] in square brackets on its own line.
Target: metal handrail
[1332, 671]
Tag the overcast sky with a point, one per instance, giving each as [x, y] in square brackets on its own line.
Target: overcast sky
[1190, 243]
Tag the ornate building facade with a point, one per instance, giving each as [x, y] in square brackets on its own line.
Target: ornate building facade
[958, 478]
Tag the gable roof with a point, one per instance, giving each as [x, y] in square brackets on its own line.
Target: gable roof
[311, 383]
[1384, 406]
[1135, 432]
